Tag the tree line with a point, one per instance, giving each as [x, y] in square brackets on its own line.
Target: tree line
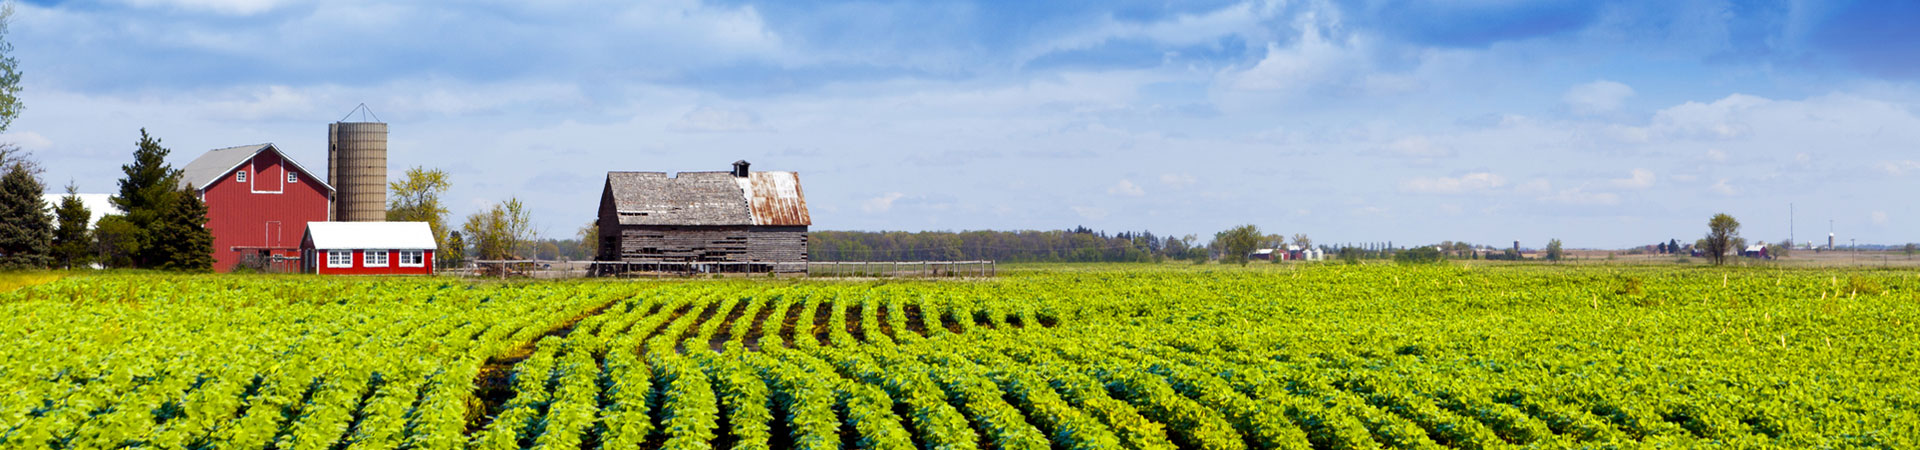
[162, 225]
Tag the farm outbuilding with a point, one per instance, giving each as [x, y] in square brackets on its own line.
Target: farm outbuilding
[258, 200]
[738, 221]
[368, 248]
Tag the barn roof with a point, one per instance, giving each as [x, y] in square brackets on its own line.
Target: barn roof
[708, 198]
[371, 235]
[217, 163]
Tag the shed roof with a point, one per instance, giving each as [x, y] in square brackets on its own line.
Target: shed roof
[374, 235]
[708, 198]
[217, 163]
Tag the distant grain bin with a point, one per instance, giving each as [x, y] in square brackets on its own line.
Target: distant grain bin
[357, 168]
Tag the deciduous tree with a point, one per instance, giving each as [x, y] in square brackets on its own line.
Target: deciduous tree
[10, 104]
[115, 240]
[1722, 230]
[498, 233]
[1554, 253]
[416, 198]
[1235, 243]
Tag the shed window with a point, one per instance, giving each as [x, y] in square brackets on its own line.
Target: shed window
[413, 258]
[339, 258]
[293, 177]
[374, 258]
[240, 176]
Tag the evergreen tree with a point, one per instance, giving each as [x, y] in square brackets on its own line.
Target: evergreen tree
[72, 241]
[26, 232]
[456, 251]
[148, 185]
[180, 240]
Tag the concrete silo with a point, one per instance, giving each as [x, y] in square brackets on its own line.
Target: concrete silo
[357, 169]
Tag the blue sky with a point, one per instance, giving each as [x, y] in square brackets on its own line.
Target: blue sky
[1602, 124]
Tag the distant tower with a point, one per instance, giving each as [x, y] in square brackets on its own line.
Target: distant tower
[357, 167]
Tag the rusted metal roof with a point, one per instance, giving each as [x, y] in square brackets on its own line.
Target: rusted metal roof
[776, 199]
[708, 198]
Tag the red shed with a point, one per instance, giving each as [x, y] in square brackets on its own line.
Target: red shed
[257, 200]
[368, 248]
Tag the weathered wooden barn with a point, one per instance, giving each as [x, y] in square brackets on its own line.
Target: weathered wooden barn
[738, 221]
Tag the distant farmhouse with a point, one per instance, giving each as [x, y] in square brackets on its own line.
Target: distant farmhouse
[738, 221]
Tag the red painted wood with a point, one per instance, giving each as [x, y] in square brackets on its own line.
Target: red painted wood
[359, 260]
[238, 214]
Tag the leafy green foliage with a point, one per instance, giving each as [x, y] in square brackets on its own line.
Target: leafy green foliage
[1323, 357]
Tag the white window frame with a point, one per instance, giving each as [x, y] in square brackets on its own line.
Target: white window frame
[293, 177]
[419, 258]
[367, 258]
[344, 261]
[240, 176]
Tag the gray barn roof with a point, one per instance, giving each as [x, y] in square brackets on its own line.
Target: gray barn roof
[217, 163]
[708, 198]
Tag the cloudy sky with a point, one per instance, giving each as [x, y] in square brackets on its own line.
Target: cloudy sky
[1605, 125]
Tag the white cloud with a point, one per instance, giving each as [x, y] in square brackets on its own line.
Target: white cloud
[1535, 186]
[708, 119]
[1178, 180]
[27, 140]
[1721, 187]
[1312, 59]
[1716, 155]
[1126, 188]
[1598, 97]
[1578, 196]
[1419, 147]
[1090, 213]
[1640, 179]
[1469, 183]
[881, 203]
[1899, 168]
[1880, 218]
[233, 7]
[1726, 118]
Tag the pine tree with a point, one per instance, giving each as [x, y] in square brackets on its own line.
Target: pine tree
[456, 251]
[180, 240]
[72, 241]
[148, 185]
[26, 232]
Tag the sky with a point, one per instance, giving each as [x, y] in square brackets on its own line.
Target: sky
[1605, 125]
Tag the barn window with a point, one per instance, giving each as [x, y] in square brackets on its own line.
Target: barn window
[240, 176]
[293, 177]
[413, 258]
[340, 258]
[374, 258]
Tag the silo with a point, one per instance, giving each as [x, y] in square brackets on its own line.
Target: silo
[357, 169]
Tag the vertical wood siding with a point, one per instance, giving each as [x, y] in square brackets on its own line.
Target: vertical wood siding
[238, 217]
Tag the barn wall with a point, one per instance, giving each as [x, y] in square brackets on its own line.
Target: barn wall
[265, 211]
[712, 243]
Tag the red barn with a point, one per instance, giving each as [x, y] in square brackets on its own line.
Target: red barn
[368, 248]
[258, 200]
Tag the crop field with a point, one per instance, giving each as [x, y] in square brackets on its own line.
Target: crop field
[1073, 357]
